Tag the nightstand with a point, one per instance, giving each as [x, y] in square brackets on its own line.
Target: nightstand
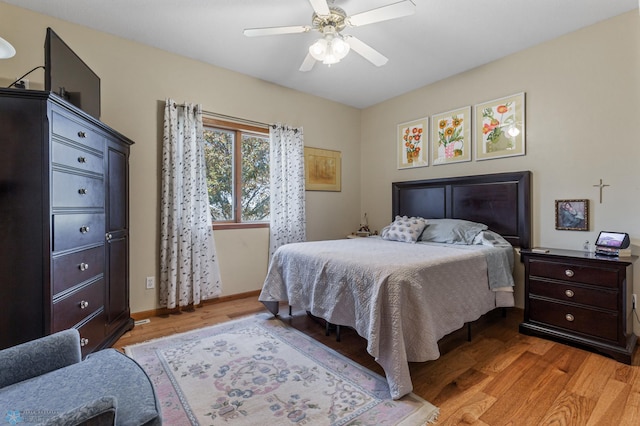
[580, 298]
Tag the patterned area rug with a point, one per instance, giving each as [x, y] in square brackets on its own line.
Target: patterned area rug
[259, 370]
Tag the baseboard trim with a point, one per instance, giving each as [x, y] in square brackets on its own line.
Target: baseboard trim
[137, 316]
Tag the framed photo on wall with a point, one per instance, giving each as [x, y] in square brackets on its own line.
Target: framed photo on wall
[572, 215]
[451, 136]
[413, 144]
[322, 169]
[500, 128]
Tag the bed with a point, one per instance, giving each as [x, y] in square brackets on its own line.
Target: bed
[405, 296]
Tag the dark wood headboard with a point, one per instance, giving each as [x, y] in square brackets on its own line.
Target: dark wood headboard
[502, 201]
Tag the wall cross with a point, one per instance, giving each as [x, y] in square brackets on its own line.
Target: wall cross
[601, 186]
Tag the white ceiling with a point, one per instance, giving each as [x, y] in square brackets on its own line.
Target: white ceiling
[443, 37]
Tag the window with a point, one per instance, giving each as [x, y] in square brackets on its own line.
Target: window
[237, 158]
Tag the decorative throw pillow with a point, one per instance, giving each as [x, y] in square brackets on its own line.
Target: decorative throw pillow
[451, 231]
[405, 229]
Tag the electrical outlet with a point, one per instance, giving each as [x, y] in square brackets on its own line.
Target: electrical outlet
[634, 300]
[151, 282]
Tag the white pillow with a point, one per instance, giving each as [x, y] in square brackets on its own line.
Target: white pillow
[405, 229]
[451, 231]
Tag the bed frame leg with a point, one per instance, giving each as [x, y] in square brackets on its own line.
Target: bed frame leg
[468, 332]
[290, 310]
[327, 330]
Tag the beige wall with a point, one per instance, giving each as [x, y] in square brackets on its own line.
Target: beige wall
[582, 125]
[136, 80]
[582, 100]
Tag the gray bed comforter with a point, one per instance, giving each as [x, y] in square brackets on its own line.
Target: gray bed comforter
[401, 297]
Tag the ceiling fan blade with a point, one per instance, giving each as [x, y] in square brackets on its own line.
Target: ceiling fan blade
[384, 13]
[320, 7]
[308, 63]
[366, 51]
[255, 32]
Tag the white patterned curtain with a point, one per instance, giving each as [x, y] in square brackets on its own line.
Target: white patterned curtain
[288, 222]
[188, 265]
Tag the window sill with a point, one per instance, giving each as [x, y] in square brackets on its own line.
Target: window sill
[231, 225]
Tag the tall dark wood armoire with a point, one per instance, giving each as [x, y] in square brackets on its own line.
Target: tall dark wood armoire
[64, 222]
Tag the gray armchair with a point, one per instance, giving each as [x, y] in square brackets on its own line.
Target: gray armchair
[46, 382]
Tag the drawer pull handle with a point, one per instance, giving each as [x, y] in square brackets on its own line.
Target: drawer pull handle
[84, 341]
[82, 134]
[84, 266]
[83, 191]
[84, 229]
[569, 293]
[569, 273]
[84, 304]
[569, 317]
[82, 160]
[109, 236]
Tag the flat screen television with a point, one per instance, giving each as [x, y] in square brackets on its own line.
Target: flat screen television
[69, 77]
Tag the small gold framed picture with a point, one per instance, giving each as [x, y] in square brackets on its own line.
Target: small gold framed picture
[322, 169]
[572, 215]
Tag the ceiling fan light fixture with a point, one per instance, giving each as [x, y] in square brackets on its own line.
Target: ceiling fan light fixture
[330, 21]
[340, 47]
[329, 49]
[319, 49]
[330, 59]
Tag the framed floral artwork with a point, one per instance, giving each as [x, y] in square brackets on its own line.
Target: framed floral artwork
[451, 136]
[499, 128]
[412, 144]
[572, 215]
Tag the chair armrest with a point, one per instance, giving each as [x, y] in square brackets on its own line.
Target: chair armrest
[37, 357]
[100, 412]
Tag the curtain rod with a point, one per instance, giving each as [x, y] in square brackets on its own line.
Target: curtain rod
[228, 117]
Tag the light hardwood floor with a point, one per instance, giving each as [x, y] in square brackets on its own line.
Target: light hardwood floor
[501, 377]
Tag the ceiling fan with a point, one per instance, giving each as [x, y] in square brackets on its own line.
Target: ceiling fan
[330, 21]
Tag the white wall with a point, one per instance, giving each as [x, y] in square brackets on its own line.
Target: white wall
[582, 125]
[136, 80]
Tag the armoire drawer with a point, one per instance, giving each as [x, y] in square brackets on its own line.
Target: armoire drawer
[74, 268]
[92, 333]
[71, 190]
[66, 155]
[76, 132]
[74, 307]
[76, 230]
[567, 292]
[574, 273]
[590, 322]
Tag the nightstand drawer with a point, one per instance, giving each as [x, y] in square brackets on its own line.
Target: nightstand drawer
[574, 273]
[590, 322]
[566, 292]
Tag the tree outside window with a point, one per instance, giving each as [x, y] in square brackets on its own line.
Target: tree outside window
[237, 158]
